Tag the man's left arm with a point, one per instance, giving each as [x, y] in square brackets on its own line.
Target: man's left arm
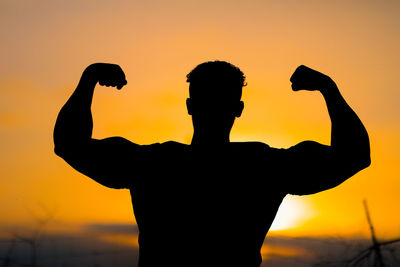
[315, 167]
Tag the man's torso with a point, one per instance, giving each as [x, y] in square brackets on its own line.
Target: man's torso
[212, 207]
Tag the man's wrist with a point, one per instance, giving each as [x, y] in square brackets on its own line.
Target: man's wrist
[88, 76]
[329, 86]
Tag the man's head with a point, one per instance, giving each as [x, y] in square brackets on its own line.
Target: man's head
[215, 91]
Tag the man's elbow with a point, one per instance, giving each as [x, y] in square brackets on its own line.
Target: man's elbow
[65, 148]
[60, 146]
[64, 151]
[360, 162]
[348, 169]
[365, 155]
[366, 162]
[61, 152]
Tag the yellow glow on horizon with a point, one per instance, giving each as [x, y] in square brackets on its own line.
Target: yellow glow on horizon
[291, 214]
[268, 251]
[130, 240]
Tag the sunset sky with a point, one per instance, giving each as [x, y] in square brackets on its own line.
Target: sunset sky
[45, 46]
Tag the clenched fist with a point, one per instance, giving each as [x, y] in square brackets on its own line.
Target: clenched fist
[107, 74]
[305, 78]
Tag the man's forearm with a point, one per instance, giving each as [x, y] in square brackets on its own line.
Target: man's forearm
[349, 137]
[74, 122]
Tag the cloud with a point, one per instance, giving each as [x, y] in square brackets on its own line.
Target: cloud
[324, 251]
[62, 249]
[107, 228]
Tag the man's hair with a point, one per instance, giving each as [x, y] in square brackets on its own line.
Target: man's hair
[228, 78]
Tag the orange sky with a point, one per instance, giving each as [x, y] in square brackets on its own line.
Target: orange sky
[46, 45]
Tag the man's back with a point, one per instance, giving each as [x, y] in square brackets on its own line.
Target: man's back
[210, 203]
[198, 206]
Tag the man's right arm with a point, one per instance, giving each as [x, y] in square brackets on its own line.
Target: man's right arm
[107, 161]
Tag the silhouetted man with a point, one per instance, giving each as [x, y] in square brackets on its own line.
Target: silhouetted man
[210, 203]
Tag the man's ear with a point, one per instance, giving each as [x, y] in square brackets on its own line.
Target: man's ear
[189, 106]
[239, 109]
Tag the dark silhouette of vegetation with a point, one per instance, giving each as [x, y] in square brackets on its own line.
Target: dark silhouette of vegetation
[378, 254]
[34, 247]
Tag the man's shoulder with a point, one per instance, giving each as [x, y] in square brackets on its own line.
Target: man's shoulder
[165, 146]
[260, 148]
[173, 143]
[252, 145]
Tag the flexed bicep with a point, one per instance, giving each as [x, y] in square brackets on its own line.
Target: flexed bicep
[313, 167]
[113, 162]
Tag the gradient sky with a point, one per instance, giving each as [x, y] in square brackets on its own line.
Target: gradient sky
[47, 44]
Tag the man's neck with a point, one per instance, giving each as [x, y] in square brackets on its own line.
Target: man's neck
[209, 141]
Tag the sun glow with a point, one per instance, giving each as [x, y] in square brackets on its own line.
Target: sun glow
[292, 213]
